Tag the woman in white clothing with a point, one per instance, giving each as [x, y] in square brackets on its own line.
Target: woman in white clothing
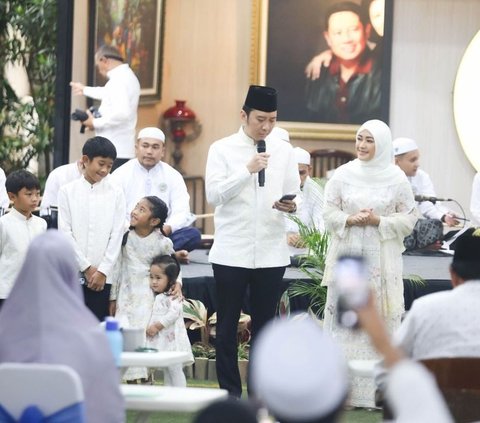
[368, 211]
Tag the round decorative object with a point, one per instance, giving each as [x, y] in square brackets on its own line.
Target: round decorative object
[466, 95]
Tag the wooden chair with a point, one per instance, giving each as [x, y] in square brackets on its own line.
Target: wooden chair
[327, 159]
[459, 382]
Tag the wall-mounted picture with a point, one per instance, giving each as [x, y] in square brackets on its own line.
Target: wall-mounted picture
[135, 27]
[329, 61]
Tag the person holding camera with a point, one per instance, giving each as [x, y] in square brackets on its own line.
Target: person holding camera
[117, 115]
[368, 211]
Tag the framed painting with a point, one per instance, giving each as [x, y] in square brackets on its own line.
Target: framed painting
[329, 61]
[136, 29]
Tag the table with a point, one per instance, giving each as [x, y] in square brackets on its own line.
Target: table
[148, 399]
[199, 284]
[153, 359]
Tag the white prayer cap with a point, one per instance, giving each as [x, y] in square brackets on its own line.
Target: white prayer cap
[302, 156]
[403, 145]
[280, 133]
[297, 370]
[151, 132]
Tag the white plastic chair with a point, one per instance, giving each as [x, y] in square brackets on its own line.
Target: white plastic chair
[49, 387]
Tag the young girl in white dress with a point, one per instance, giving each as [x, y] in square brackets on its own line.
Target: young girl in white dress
[131, 290]
[166, 330]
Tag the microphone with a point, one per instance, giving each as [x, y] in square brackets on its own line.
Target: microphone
[261, 148]
[421, 198]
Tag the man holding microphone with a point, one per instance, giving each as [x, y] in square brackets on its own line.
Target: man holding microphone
[246, 177]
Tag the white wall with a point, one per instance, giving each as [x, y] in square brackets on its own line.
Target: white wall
[429, 39]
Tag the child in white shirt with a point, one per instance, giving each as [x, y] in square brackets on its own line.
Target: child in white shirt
[91, 211]
[131, 289]
[18, 227]
[166, 330]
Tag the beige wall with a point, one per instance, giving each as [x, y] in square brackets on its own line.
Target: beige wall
[207, 60]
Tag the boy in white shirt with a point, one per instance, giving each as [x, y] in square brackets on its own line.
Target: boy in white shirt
[91, 211]
[18, 227]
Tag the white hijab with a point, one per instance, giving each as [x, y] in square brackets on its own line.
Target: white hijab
[44, 320]
[380, 171]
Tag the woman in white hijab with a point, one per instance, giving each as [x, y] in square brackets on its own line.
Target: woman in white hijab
[368, 211]
[44, 320]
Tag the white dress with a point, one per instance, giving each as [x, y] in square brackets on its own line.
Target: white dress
[173, 337]
[135, 298]
[382, 247]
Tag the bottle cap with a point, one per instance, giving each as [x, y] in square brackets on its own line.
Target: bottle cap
[111, 323]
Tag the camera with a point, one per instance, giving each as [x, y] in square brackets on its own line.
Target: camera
[82, 116]
[353, 290]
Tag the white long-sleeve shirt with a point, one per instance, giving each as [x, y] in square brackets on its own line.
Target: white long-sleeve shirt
[475, 199]
[4, 201]
[249, 233]
[93, 217]
[310, 210]
[58, 177]
[16, 233]
[119, 103]
[163, 181]
[423, 185]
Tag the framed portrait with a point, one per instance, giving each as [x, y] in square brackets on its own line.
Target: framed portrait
[329, 61]
[136, 29]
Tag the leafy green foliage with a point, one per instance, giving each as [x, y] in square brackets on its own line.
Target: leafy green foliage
[28, 38]
[313, 265]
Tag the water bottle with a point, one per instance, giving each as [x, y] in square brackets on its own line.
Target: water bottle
[115, 338]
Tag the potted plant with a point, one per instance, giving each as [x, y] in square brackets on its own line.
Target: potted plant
[243, 357]
[200, 353]
[313, 265]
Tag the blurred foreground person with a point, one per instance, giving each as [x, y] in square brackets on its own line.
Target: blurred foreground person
[44, 320]
[300, 375]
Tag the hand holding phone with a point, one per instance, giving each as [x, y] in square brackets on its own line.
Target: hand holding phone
[353, 290]
[288, 197]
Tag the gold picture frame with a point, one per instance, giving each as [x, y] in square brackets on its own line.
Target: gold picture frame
[137, 30]
[300, 128]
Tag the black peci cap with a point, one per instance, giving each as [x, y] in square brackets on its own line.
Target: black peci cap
[467, 248]
[261, 98]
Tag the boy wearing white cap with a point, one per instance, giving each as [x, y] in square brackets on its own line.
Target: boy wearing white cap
[310, 210]
[427, 231]
[146, 175]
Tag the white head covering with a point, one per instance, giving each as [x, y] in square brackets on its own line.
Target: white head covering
[297, 370]
[152, 132]
[380, 170]
[280, 133]
[403, 145]
[44, 320]
[302, 156]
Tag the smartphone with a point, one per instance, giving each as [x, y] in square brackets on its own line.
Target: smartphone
[351, 280]
[287, 197]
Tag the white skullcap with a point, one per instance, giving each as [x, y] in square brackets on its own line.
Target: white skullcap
[403, 145]
[151, 132]
[302, 156]
[280, 133]
[298, 371]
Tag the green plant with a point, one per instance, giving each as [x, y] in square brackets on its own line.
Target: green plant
[313, 265]
[195, 312]
[243, 350]
[28, 38]
[196, 315]
[200, 350]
